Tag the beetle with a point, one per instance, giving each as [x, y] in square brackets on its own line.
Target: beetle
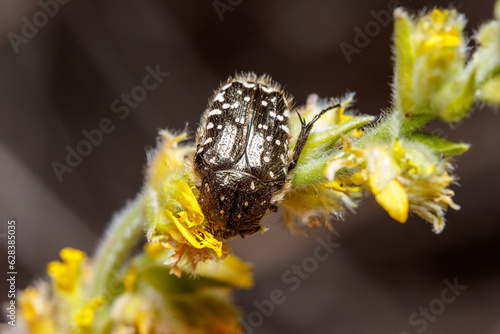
[242, 165]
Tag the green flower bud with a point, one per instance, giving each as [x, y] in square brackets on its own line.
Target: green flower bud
[431, 75]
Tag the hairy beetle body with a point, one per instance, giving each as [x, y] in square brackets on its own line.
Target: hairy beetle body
[242, 162]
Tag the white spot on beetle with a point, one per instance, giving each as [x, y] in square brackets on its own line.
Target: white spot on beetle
[246, 203]
[214, 112]
[259, 126]
[208, 141]
[219, 126]
[200, 150]
[286, 113]
[269, 138]
[239, 92]
[220, 97]
[277, 142]
[265, 127]
[222, 198]
[252, 186]
[210, 125]
[237, 120]
[212, 160]
[280, 117]
[272, 114]
[264, 103]
[235, 105]
[226, 180]
[239, 215]
[221, 212]
[266, 159]
[267, 89]
[246, 98]
[271, 174]
[285, 128]
[282, 157]
[225, 105]
[248, 84]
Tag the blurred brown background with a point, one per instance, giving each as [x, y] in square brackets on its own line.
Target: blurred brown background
[64, 78]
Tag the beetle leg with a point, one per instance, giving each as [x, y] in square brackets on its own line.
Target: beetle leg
[304, 134]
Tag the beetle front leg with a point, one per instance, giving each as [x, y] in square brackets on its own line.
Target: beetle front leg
[304, 134]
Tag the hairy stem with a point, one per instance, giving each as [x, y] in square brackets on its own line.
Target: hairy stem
[312, 171]
[122, 235]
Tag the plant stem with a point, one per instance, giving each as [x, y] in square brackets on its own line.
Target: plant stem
[122, 235]
[312, 172]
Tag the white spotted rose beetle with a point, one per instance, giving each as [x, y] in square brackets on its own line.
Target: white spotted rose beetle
[242, 163]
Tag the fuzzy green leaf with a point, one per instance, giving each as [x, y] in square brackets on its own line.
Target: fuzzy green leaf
[460, 105]
[414, 122]
[438, 144]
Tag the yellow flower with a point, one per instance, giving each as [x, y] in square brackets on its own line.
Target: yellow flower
[434, 31]
[172, 212]
[188, 221]
[380, 174]
[431, 74]
[37, 309]
[66, 274]
[405, 177]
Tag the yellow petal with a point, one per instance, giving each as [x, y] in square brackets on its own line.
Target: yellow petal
[65, 274]
[36, 309]
[190, 204]
[394, 200]
[144, 323]
[72, 255]
[85, 316]
[197, 237]
[130, 278]
[438, 16]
